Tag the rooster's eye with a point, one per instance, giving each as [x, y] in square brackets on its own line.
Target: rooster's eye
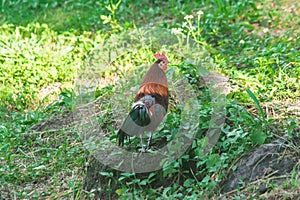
[161, 64]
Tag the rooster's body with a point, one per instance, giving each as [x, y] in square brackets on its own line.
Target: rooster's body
[150, 103]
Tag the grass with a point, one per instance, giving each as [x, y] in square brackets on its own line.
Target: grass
[45, 45]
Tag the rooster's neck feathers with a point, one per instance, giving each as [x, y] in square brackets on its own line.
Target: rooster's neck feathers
[155, 75]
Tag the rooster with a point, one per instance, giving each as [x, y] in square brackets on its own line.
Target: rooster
[150, 103]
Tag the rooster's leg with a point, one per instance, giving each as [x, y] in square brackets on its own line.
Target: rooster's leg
[142, 144]
[149, 140]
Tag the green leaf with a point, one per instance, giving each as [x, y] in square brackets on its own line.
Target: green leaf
[107, 174]
[258, 137]
[40, 167]
[253, 97]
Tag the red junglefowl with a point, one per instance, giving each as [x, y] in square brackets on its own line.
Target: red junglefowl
[150, 103]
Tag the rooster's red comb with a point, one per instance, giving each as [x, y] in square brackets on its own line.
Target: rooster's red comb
[161, 56]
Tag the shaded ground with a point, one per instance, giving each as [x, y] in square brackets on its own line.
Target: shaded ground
[263, 167]
[256, 172]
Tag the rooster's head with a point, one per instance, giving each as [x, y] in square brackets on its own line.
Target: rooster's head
[163, 60]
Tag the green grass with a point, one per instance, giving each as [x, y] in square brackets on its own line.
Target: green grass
[43, 43]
